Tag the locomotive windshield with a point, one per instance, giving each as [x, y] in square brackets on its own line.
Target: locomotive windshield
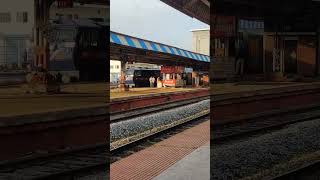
[62, 49]
[78, 49]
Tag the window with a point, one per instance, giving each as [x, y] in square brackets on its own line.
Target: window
[22, 17]
[111, 66]
[5, 17]
[138, 73]
[117, 67]
[89, 39]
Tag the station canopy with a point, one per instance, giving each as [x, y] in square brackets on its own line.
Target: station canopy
[133, 42]
[277, 9]
[199, 9]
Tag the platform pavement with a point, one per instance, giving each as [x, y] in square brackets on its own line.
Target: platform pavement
[224, 88]
[153, 160]
[196, 165]
[15, 102]
[116, 93]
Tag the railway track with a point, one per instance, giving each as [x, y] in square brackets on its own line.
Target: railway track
[309, 171]
[78, 163]
[262, 123]
[152, 137]
[63, 165]
[122, 116]
[135, 146]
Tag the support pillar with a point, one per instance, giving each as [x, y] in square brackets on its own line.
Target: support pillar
[318, 50]
[277, 74]
[41, 45]
[123, 76]
[195, 79]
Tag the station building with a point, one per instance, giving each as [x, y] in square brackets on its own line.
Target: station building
[291, 52]
[115, 70]
[201, 44]
[17, 22]
[201, 41]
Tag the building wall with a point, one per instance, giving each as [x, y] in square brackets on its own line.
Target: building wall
[15, 26]
[201, 41]
[115, 69]
[306, 56]
[17, 22]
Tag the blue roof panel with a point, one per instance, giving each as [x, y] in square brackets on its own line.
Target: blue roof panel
[130, 42]
[142, 44]
[126, 40]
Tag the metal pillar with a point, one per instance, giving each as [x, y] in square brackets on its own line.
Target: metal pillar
[41, 45]
[195, 79]
[278, 54]
[122, 85]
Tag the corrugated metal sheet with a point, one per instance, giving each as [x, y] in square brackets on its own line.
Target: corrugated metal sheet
[134, 42]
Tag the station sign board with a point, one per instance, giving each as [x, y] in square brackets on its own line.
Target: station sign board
[223, 26]
[245, 24]
[65, 3]
[251, 26]
[172, 69]
[188, 70]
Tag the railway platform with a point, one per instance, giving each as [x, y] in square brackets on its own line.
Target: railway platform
[242, 101]
[134, 92]
[171, 157]
[245, 87]
[52, 122]
[196, 165]
[140, 98]
[72, 97]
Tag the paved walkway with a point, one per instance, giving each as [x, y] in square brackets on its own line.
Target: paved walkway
[152, 161]
[194, 166]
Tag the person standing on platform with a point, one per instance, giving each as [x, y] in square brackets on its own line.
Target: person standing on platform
[240, 58]
[159, 84]
[151, 80]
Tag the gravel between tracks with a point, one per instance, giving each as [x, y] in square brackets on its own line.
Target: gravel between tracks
[137, 125]
[256, 154]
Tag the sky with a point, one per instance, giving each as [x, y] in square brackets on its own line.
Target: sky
[153, 20]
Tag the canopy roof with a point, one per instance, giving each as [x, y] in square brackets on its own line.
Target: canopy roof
[199, 9]
[125, 40]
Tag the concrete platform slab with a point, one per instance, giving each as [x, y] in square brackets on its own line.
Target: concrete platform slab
[194, 166]
[227, 88]
[146, 97]
[14, 101]
[243, 101]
